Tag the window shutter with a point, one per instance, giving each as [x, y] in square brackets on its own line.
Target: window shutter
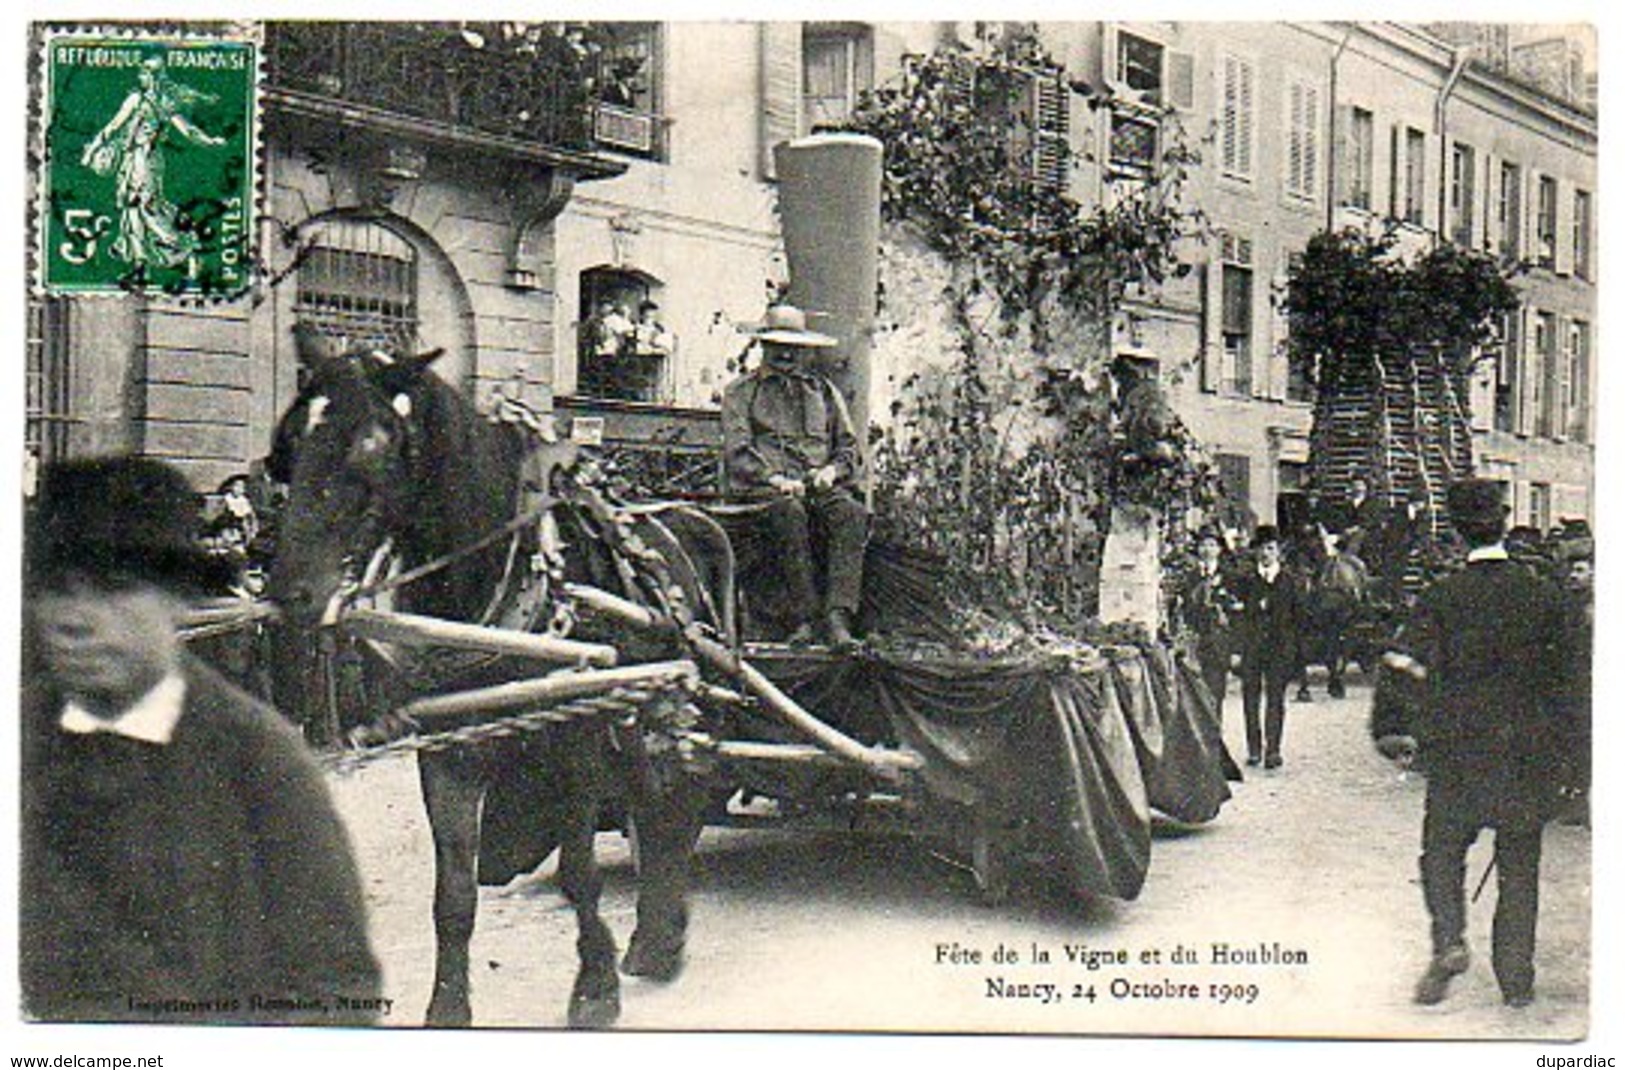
[1212, 352]
[1109, 56]
[1492, 204]
[1562, 410]
[1311, 129]
[1295, 144]
[1564, 260]
[1181, 79]
[1432, 183]
[1236, 134]
[1279, 366]
[1396, 171]
[1525, 364]
[1343, 182]
[1052, 120]
[780, 87]
[1531, 221]
[1529, 368]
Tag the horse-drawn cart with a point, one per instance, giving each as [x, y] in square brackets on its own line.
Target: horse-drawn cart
[1048, 761]
[544, 648]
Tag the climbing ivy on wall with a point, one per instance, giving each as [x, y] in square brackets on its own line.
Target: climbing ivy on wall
[1006, 454]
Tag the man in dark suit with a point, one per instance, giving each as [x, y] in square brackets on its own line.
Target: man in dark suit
[1203, 605]
[1267, 629]
[180, 857]
[1495, 717]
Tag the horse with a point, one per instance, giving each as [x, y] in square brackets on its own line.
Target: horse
[379, 451]
[1339, 583]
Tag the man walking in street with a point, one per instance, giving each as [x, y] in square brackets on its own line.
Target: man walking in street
[1495, 717]
[1267, 632]
[788, 442]
[1203, 607]
[180, 856]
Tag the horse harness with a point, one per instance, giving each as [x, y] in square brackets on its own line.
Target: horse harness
[529, 592]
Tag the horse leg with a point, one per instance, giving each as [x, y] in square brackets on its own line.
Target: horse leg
[595, 1000]
[667, 826]
[453, 794]
[1336, 660]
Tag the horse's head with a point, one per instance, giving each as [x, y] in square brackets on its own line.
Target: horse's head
[348, 450]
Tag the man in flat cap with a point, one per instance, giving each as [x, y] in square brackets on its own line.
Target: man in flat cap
[1493, 714]
[788, 441]
[181, 858]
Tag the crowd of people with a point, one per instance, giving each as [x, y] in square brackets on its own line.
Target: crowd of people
[131, 743]
[1483, 683]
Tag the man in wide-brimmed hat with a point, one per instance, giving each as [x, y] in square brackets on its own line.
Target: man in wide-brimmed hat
[1494, 719]
[181, 859]
[788, 441]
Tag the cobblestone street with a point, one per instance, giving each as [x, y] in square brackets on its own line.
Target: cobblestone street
[1316, 861]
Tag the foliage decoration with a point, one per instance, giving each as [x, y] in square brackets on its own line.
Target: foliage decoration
[1391, 344]
[1005, 456]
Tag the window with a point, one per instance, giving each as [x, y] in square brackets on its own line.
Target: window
[1236, 314]
[1134, 142]
[1508, 372]
[624, 116]
[1546, 223]
[1303, 139]
[1509, 211]
[1139, 66]
[359, 283]
[622, 350]
[48, 412]
[1576, 397]
[1358, 158]
[837, 64]
[1582, 234]
[1415, 176]
[1540, 506]
[1461, 194]
[1236, 117]
[1544, 383]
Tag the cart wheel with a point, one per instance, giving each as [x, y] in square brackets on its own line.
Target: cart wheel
[992, 877]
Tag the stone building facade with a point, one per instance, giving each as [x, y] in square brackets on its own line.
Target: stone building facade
[505, 249]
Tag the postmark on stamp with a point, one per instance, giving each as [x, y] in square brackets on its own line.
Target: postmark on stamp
[149, 164]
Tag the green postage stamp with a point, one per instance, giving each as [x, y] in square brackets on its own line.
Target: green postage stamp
[149, 169]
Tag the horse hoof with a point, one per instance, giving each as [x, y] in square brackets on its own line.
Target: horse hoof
[448, 1016]
[653, 960]
[594, 1012]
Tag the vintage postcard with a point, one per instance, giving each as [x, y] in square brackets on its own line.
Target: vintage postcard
[1062, 529]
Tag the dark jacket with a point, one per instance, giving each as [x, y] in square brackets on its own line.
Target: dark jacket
[1268, 627]
[1500, 703]
[785, 425]
[1204, 605]
[207, 879]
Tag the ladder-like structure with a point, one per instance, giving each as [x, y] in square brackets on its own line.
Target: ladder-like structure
[1403, 425]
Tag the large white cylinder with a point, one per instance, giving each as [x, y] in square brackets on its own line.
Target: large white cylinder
[829, 204]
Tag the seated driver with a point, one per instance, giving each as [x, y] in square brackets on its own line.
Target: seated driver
[788, 440]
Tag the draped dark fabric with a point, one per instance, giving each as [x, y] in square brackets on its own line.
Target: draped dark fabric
[1063, 757]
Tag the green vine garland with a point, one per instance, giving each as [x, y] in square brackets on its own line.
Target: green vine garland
[1022, 529]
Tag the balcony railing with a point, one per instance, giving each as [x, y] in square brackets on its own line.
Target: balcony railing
[532, 87]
